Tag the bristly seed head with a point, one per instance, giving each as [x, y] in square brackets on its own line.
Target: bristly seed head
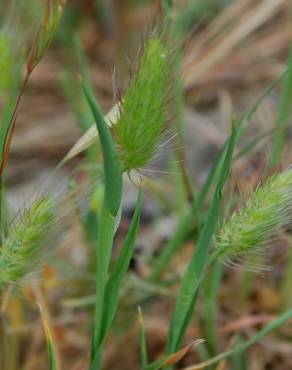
[20, 250]
[46, 33]
[250, 230]
[145, 106]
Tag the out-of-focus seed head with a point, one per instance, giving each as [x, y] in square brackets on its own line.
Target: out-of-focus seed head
[46, 32]
[20, 250]
[251, 230]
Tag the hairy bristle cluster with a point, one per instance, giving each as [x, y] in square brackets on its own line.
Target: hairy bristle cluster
[265, 214]
[21, 249]
[144, 110]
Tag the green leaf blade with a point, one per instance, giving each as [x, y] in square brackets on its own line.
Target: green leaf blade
[119, 271]
[195, 271]
[112, 168]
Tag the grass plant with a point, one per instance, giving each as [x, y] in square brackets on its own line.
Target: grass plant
[128, 139]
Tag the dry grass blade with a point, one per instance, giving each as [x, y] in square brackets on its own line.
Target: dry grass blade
[251, 21]
[228, 16]
[91, 135]
[52, 352]
[176, 357]
[269, 328]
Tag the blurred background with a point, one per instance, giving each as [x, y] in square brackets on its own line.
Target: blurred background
[231, 51]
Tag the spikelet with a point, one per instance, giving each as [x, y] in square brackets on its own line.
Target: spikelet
[251, 230]
[144, 110]
[21, 249]
[46, 33]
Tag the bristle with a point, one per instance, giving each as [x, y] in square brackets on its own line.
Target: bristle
[250, 230]
[145, 106]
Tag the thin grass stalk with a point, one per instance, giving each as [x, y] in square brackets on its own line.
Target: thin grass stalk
[269, 328]
[6, 140]
[54, 362]
[181, 203]
[283, 117]
[238, 361]
[211, 290]
[172, 359]
[39, 48]
[287, 278]
[11, 126]
[197, 267]
[142, 339]
[177, 33]
[191, 216]
[14, 318]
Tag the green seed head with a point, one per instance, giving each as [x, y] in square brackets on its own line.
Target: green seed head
[47, 30]
[20, 250]
[144, 109]
[265, 214]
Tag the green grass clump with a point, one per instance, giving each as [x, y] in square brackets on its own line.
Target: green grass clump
[144, 110]
[20, 250]
[265, 213]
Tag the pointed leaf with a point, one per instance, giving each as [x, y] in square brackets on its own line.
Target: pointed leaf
[112, 168]
[119, 271]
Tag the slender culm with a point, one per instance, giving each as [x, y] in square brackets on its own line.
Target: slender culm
[21, 249]
[264, 215]
[144, 110]
[46, 33]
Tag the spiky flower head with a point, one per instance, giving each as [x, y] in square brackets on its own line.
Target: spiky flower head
[46, 33]
[250, 230]
[21, 249]
[145, 106]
